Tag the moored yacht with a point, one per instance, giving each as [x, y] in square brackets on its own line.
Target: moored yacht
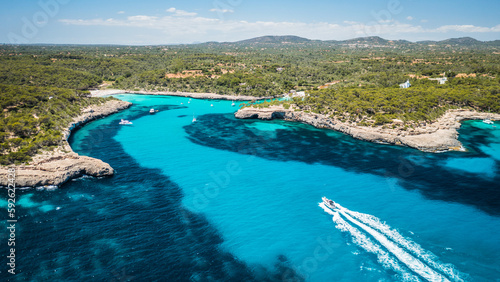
[487, 121]
[124, 121]
[153, 111]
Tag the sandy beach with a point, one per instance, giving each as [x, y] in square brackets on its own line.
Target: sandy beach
[107, 92]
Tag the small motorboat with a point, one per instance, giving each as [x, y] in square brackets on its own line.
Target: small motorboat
[211, 105]
[329, 203]
[233, 104]
[124, 121]
[153, 111]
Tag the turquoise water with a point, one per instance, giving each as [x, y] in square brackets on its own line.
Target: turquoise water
[227, 199]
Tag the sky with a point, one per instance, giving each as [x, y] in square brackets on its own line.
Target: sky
[159, 22]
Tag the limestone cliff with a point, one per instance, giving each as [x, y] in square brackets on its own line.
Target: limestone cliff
[438, 136]
[62, 164]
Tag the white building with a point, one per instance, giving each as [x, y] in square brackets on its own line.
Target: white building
[294, 94]
[405, 85]
[442, 80]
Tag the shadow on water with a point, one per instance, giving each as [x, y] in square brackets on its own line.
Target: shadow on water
[414, 170]
[129, 227]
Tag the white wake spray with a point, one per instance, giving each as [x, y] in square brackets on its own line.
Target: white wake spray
[412, 255]
[426, 256]
[360, 239]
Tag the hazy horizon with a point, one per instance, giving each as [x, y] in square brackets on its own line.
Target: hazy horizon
[153, 22]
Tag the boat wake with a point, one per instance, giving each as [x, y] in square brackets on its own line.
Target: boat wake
[394, 251]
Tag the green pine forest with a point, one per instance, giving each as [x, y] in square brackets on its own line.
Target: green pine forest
[42, 87]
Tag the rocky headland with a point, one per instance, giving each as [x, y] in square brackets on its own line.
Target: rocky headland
[438, 136]
[53, 168]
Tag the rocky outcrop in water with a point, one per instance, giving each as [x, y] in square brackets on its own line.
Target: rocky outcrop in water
[62, 164]
[441, 135]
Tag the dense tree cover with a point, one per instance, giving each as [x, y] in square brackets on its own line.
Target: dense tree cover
[424, 101]
[366, 76]
[236, 69]
[33, 118]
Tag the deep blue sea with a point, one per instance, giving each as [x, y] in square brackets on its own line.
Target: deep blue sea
[222, 199]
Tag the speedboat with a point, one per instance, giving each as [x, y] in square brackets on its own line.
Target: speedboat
[153, 111]
[329, 203]
[124, 121]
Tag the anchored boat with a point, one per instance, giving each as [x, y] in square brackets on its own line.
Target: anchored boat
[124, 121]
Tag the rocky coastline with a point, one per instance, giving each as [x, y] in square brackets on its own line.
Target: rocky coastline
[438, 136]
[53, 168]
[106, 92]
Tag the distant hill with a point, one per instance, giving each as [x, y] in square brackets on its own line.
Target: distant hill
[370, 40]
[272, 39]
[363, 41]
[463, 41]
[494, 43]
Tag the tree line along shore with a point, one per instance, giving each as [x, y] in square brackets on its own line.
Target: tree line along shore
[44, 88]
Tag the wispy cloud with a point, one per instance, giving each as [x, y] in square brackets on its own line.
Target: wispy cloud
[410, 18]
[222, 10]
[178, 12]
[182, 26]
[121, 12]
[142, 18]
[467, 28]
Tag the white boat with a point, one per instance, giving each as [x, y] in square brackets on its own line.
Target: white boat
[211, 105]
[329, 203]
[124, 121]
[487, 121]
[194, 119]
[233, 104]
[153, 111]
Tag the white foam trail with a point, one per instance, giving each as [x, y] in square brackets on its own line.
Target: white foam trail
[326, 209]
[360, 239]
[411, 246]
[411, 262]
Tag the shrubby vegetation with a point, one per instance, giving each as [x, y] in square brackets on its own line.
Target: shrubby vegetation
[363, 76]
[424, 101]
[33, 118]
